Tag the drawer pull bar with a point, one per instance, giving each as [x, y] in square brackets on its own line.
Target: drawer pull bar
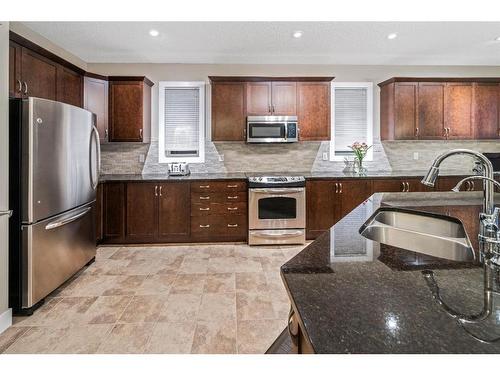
[232, 225]
[232, 186]
[204, 186]
[204, 209]
[232, 208]
[204, 198]
[205, 226]
[235, 197]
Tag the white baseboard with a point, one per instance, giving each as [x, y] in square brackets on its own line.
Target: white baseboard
[5, 320]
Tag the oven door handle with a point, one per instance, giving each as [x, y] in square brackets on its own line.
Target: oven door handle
[278, 191]
[270, 234]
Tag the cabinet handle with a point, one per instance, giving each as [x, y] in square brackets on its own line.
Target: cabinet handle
[20, 85]
[273, 108]
[140, 133]
[467, 185]
[269, 108]
[156, 191]
[160, 190]
[204, 186]
[205, 209]
[232, 225]
[205, 226]
[417, 131]
[106, 133]
[233, 197]
[232, 208]
[25, 88]
[336, 188]
[232, 186]
[407, 187]
[472, 188]
[204, 198]
[340, 187]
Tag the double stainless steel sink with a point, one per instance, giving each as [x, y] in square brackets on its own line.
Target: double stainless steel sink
[430, 234]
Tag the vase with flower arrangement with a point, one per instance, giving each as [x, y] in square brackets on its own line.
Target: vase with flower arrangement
[360, 150]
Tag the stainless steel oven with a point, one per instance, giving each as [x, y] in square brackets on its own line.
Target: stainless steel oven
[277, 210]
[272, 129]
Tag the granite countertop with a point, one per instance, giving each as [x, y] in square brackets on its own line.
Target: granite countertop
[244, 175]
[353, 295]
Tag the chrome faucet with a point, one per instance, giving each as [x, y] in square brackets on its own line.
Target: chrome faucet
[488, 190]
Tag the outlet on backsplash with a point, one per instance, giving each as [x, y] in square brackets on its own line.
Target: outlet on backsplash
[415, 156]
[142, 158]
[325, 156]
[221, 157]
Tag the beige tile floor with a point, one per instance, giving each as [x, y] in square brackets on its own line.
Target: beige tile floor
[173, 299]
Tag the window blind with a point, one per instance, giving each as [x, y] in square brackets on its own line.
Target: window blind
[351, 120]
[182, 121]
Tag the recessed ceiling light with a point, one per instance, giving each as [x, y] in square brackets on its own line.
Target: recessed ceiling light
[297, 34]
[154, 32]
[392, 36]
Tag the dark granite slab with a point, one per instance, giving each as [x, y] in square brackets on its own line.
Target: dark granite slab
[353, 295]
[165, 177]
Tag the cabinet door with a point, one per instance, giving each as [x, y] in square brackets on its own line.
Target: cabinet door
[284, 98]
[228, 112]
[96, 101]
[458, 110]
[142, 212]
[259, 98]
[354, 192]
[323, 207]
[15, 86]
[125, 111]
[405, 110]
[113, 211]
[486, 110]
[69, 87]
[430, 110]
[313, 110]
[39, 75]
[174, 211]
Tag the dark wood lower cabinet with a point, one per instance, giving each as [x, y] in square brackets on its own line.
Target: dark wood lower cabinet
[142, 211]
[173, 212]
[113, 212]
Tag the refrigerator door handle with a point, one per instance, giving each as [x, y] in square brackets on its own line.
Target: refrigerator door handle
[95, 134]
[60, 223]
[8, 213]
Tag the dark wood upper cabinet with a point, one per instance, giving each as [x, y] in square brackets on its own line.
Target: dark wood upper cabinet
[69, 86]
[174, 211]
[15, 82]
[458, 111]
[142, 212]
[439, 108]
[95, 99]
[430, 110]
[39, 75]
[258, 96]
[129, 109]
[486, 110]
[284, 98]
[228, 111]
[313, 110]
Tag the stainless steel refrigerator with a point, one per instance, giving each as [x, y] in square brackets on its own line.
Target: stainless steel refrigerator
[54, 163]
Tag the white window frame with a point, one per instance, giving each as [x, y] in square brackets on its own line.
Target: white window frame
[369, 117]
[162, 158]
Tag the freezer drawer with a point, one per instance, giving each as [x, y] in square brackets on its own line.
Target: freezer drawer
[54, 250]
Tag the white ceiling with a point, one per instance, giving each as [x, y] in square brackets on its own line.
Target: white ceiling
[364, 43]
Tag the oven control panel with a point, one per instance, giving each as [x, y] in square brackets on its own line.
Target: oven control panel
[276, 181]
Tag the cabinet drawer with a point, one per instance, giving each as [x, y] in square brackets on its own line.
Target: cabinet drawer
[218, 227]
[218, 186]
[221, 197]
[205, 209]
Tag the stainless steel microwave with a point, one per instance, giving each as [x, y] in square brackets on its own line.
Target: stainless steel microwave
[272, 129]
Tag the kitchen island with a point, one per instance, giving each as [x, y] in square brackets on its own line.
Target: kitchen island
[353, 295]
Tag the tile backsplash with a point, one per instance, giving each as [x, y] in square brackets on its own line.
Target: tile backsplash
[227, 157]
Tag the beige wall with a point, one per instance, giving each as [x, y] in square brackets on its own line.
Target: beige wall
[4, 175]
[29, 34]
[342, 73]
